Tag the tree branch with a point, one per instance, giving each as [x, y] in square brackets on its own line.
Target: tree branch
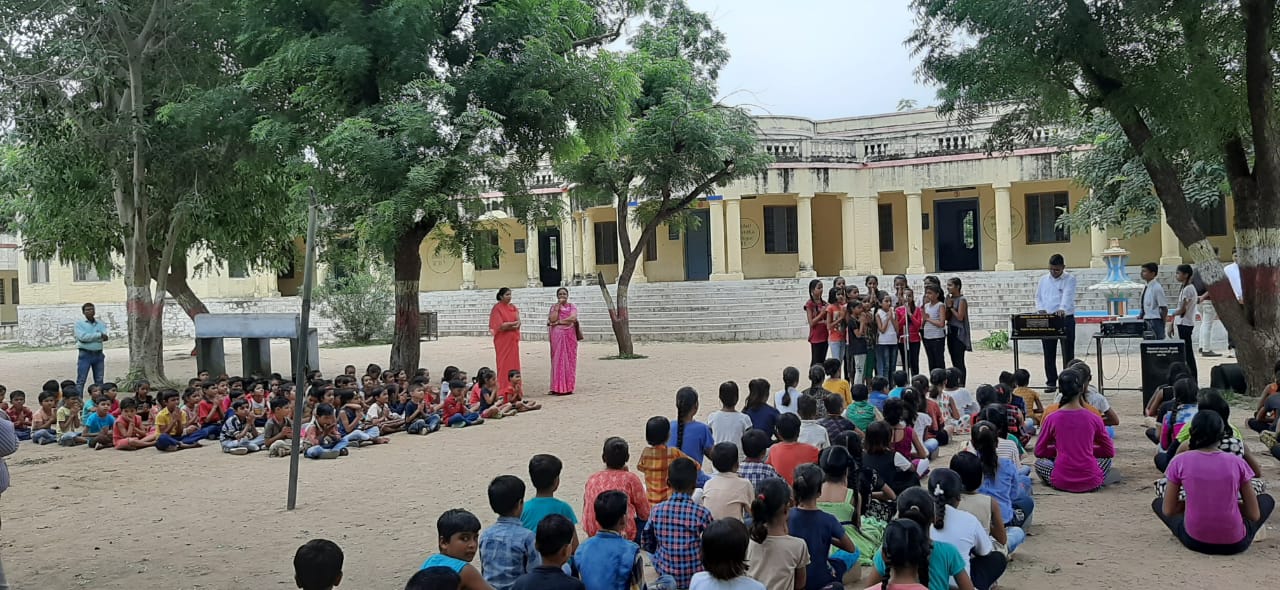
[153, 16]
[166, 257]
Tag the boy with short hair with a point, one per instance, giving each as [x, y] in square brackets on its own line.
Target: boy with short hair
[900, 381]
[755, 444]
[878, 395]
[785, 456]
[458, 532]
[728, 495]
[727, 424]
[317, 565]
[554, 540]
[69, 427]
[210, 412]
[19, 414]
[44, 421]
[507, 549]
[835, 423]
[544, 474]
[420, 416]
[674, 531]
[599, 557]
[1030, 397]
[811, 431]
[433, 578]
[615, 476]
[98, 426]
[324, 439]
[278, 432]
[239, 437]
[171, 424]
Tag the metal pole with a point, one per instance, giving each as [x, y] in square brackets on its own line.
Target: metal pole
[303, 348]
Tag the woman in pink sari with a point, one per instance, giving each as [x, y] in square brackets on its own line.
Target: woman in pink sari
[504, 324]
[562, 322]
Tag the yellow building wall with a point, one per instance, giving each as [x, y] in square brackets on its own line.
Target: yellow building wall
[756, 264]
[9, 308]
[1034, 256]
[828, 235]
[512, 268]
[670, 263]
[62, 288]
[441, 271]
[895, 261]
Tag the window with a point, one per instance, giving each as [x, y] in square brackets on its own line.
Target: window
[14, 282]
[84, 273]
[651, 247]
[38, 271]
[606, 233]
[487, 252]
[1212, 219]
[518, 246]
[885, 215]
[1043, 212]
[237, 270]
[673, 232]
[781, 233]
[1, 292]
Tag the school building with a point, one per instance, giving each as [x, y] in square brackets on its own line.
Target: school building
[907, 192]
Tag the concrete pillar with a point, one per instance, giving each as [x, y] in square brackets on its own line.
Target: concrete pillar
[804, 236]
[869, 244]
[1004, 229]
[588, 247]
[717, 240]
[568, 245]
[574, 234]
[848, 241]
[633, 231]
[1169, 253]
[1097, 243]
[531, 256]
[733, 237]
[468, 273]
[915, 233]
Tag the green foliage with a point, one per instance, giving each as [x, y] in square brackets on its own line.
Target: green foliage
[360, 305]
[996, 340]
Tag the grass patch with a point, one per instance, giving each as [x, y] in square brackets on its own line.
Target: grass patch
[623, 357]
[353, 344]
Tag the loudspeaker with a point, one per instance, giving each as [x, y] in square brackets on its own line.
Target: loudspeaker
[1156, 356]
[1228, 377]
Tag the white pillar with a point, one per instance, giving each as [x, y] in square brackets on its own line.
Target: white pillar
[468, 273]
[1004, 229]
[575, 238]
[588, 248]
[633, 230]
[849, 262]
[804, 236]
[532, 267]
[733, 236]
[1097, 243]
[717, 240]
[915, 233]
[1169, 253]
[869, 243]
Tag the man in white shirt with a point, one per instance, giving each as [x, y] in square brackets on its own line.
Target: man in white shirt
[1233, 276]
[1154, 306]
[1057, 295]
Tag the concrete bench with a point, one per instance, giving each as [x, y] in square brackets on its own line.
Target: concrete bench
[255, 331]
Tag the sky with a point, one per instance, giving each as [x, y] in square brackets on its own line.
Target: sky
[822, 59]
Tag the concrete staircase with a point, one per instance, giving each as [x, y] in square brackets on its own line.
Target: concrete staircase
[764, 309]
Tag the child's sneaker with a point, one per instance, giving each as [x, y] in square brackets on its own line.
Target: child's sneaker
[238, 451]
[1268, 438]
[330, 454]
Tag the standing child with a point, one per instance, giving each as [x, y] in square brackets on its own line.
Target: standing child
[513, 394]
[777, 559]
[20, 415]
[656, 459]
[326, 441]
[69, 427]
[317, 565]
[675, 527]
[785, 456]
[544, 474]
[615, 476]
[609, 560]
[820, 531]
[727, 424]
[459, 533]
[693, 438]
[507, 549]
[727, 495]
[555, 540]
[724, 557]
[44, 422]
[755, 445]
[454, 411]
[239, 437]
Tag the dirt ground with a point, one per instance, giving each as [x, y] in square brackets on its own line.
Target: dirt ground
[76, 518]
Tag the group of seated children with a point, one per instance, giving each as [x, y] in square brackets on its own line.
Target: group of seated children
[249, 415]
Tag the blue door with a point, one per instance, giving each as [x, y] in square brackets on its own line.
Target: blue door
[697, 247]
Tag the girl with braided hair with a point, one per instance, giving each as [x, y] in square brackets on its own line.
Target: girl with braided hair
[693, 438]
[945, 563]
[775, 558]
[963, 530]
[906, 553]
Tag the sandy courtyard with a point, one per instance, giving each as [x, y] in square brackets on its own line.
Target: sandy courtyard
[76, 518]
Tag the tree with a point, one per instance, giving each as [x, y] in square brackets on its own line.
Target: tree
[677, 145]
[1184, 83]
[398, 110]
[106, 171]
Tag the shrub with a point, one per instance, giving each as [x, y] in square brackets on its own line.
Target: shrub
[360, 305]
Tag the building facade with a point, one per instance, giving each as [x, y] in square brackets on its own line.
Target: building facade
[899, 193]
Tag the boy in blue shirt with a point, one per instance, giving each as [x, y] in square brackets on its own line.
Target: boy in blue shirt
[900, 381]
[544, 473]
[459, 532]
[97, 426]
[507, 549]
[878, 385]
[608, 560]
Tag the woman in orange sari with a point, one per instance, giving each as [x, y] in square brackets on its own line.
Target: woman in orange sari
[504, 324]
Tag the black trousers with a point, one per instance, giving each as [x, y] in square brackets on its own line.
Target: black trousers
[933, 350]
[1184, 333]
[1177, 525]
[986, 569]
[817, 354]
[911, 354]
[956, 349]
[1068, 351]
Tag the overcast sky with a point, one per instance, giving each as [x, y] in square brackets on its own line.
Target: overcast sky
[822, 59]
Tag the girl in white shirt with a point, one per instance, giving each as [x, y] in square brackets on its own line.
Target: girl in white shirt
[785, 400]
[887, 341]
[963, 530]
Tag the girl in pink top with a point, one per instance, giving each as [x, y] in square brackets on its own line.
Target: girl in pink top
[1222, 512]
[815, 312]
[1074, 450]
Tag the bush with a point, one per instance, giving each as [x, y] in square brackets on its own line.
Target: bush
[360, 306]
[996, 340]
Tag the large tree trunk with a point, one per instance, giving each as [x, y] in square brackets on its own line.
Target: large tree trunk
[406, 346]
[181, 292]
[619, 314]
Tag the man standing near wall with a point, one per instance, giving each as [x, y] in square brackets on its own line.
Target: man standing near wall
[1057, 295]
[1154, 305]
[90, 334]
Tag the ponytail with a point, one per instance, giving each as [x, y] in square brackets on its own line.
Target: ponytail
[808, 482]
[906, 544]
[772, 496]
[946, 487]
[686, 405]
[985, 443]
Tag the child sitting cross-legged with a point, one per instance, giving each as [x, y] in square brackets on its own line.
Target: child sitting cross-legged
[324, 437]
[811, 431]
[835, 422]
[674, 528]
[171, 423]
[755, 444]
[44, 421]
[278, 432]
[127, 433]
[861, 413]
[727, 495]
[820, 532]
[656, 459]
[317, 565]
[239, 437]
[98, 426]
[354, 429]
[785, 456]
[454, 410]
[724, 558]
[615, 476]
[777, 559]
[727, 424]
[490, 403]
[513, 395]
[507, 549]
[380, 414]
[420, 417]
[544, 474]
[609, 560]
[459, 533]
[19, 414]
[554, 540]
[70, 431]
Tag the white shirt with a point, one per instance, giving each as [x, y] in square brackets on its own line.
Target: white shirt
[1187, 300]
[963, 531]
[1095, 399]
[1233, 276]
[728, 427]
[812, 433]
[890, 335]
[1152, 300]
[704, 581]
[934, 312]
[786, 408]
[964, 401]
[1054, 295]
